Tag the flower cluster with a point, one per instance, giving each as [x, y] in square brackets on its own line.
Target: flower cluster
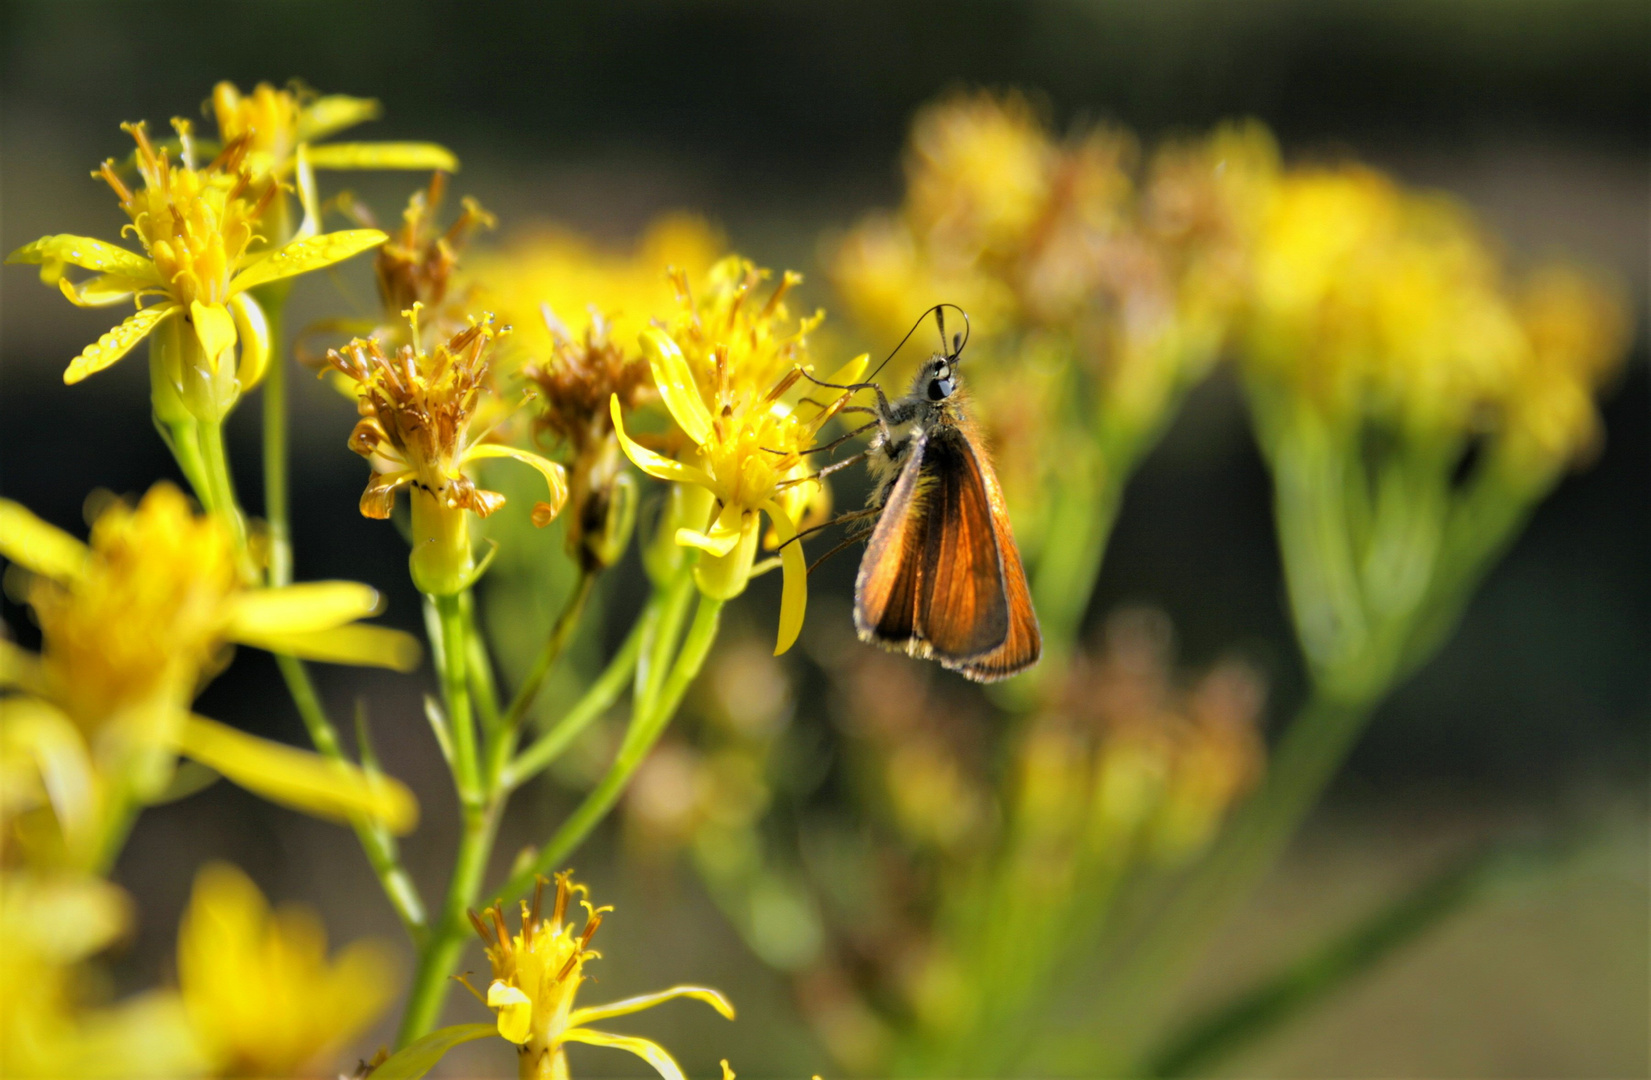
[726, 367]
[132, 628]
[1108, 287]
[197, 227]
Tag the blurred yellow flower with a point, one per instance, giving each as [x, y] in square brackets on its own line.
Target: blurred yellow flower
[277, 122]
[416, 264]
[197, 227]
[1577, 329]
[420, 411]
[50, 926]
[552, 284]
[536, 975]
[262, 998]
[724, 368]
[132, 627]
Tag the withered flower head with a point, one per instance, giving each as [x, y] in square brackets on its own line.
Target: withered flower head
[575, 387]
[417, 263]
[426, 416]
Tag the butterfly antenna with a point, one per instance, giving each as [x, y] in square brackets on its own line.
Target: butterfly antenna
[954, 344]
[907, 338]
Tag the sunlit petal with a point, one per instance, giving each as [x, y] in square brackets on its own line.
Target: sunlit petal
[302, 256]
[794, 593]
[215, 327]
[41, 733]
[39, 546]
[333, 113]
[646, 1049]
[51, 252]
[725, 533]
[314, 605]
[117, 342]
[713, 998]
[356, 645]
[253, 330]
[383, 155]
[655, 465]
[676, 384]
[102, 290]
[556, 477]
[297, 778]
[515, 1011]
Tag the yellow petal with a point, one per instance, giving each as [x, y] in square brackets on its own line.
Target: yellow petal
[676, 384]
[334, 113]
[383, 155]
[20, 669]
[38, 731]
[117, 342]
[794, 590]
[556, 477]
[850, 373]
[38, 546]
[101, 291]
[215, 327]
[304, 781]
[418, 1057]
[253, 330]
[356, 645]
[314, 605]
[302, 256]
[655, 465]
[646, 1049]
[86, 252]
[725, 533]
[713, 998]
[515, 1011]
[725, 577]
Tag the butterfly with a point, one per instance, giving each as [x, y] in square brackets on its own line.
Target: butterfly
[941, 577]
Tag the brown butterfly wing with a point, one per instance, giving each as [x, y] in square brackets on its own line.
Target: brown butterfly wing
[885, 590]
[1023, 644]
[963, 608]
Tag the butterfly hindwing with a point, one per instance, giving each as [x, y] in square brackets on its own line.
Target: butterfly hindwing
[886, 589]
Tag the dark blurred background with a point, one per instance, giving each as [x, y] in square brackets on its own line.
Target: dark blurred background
[781, 121]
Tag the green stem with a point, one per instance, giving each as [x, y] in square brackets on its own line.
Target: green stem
[445, 945]
[482, 686]
[455, 683]
[1070, 563]
[1308, 756]
[648, 722]
[375, 842]
[560, 633]
[596, 700]
[220, 482]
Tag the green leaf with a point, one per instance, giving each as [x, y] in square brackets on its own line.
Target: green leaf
[420, 1056]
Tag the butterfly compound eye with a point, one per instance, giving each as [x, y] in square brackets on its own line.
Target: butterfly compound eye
[941, 389]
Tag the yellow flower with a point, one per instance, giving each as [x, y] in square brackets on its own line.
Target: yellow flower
[1368, 297]
[550, 283]
[1577, 330]
[537, 972]
[262, 998]
[724, 370]
[197, 227]
[51, 925]
[132, 627]
[419, 427]
[278, 122]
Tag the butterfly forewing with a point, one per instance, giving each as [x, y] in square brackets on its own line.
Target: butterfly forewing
[963, 608]
[1024, 643]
